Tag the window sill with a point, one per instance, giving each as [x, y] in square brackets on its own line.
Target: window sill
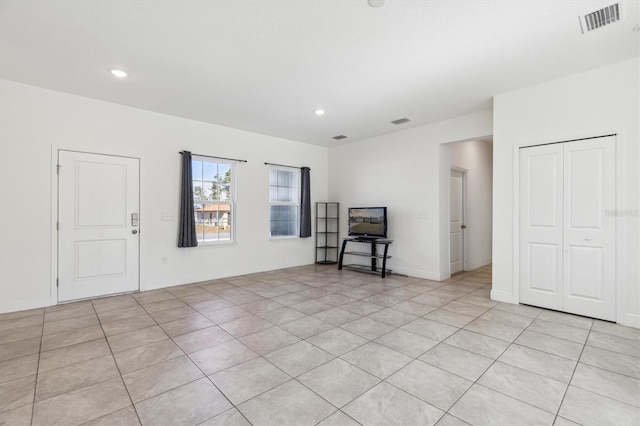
[215, 243]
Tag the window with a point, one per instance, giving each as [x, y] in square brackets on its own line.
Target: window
[284, 202]
[213, 198]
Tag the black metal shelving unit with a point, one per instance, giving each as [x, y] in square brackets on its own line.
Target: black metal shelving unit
[327, 232]
[372, 254]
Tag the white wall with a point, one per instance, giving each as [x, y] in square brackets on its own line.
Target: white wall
[477, 158]
[401, 171]
[598, 102]
[35, 122]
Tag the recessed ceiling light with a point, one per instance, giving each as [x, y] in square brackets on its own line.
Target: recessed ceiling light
[375, 3]
[118, 73]
[319, 111]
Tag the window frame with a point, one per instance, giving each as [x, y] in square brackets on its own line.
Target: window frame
[231, 201]
[284, 203]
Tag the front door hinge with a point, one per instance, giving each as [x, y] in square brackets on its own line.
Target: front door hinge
[58, 168]
[57, 282]
[57, 226]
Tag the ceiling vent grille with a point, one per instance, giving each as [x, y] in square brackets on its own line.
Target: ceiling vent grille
[339, 137]
[400, 121]
[600, 18]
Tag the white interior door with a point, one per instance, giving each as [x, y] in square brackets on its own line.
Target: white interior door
[567, 241]
[541, 226]
[456, 221]
[589, 233]
[98, 207]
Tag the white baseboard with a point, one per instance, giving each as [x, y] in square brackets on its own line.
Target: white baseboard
[501, 296]
[475, 265]
[419, 273]
[631, 320]
[24, 304]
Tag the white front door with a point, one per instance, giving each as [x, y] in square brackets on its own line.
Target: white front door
[567, 239]
[456, 222]
[98, 237]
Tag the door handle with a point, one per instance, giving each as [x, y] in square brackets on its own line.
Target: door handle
[135, 231]
[463, 226]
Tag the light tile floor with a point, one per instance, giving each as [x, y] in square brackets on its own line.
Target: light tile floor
[314, 345]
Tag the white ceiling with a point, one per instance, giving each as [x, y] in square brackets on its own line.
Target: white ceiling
[266, 65]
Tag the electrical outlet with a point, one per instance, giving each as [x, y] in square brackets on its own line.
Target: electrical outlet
[164, 260]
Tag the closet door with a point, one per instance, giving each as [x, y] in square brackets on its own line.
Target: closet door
[541, 231]
[589, 233]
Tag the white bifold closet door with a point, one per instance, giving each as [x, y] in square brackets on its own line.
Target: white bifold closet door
[567, 239]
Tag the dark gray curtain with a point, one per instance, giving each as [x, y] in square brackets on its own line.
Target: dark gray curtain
[187, 237]
[305, 203]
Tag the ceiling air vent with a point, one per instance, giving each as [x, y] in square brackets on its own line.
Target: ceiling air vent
[600, 18]
[339, 137]
[400, 121]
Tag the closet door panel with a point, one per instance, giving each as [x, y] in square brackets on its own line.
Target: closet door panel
[589, 232]
[541, 202]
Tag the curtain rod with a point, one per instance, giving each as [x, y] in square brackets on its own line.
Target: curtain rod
[219, 158]
[283, 165]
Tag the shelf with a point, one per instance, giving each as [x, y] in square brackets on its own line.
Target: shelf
[364, 268]
[373, 255]
[326, 246]
[370, 240]
[361, 253]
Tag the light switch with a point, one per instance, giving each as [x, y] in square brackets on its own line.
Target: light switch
[167, 216]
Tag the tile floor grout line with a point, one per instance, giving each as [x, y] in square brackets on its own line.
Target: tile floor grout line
[564, 395]
[119, 370]
[35, 385]
[483, 373]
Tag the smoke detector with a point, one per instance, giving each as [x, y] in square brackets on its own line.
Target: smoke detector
[600, 18]
[339, 137]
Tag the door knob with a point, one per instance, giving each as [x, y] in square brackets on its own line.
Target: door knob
[463, 226]
[135, 231]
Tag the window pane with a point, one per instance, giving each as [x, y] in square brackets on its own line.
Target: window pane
[273, 228]
[209, 170]
[196, 170]
[210, 230]
[215, 222]
[207, 190]
[198, 192]
[293, 213]
[224, 222]
[292, 195]
[224, 181]
[273, 177]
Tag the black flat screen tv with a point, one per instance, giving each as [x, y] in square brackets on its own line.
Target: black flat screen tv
[368, 222]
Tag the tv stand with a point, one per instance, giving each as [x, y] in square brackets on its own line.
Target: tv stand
[372, 254]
